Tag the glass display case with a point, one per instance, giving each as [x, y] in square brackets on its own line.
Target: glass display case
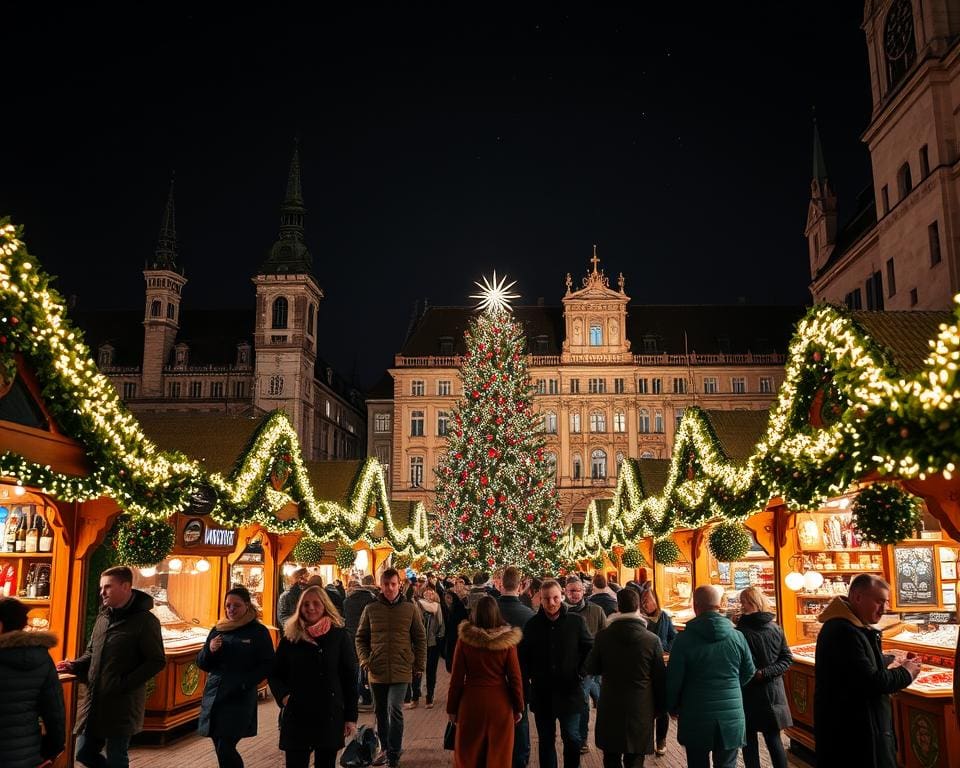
[675, 589]
[184, 599]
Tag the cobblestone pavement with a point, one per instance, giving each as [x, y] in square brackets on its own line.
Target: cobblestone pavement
[423, 747]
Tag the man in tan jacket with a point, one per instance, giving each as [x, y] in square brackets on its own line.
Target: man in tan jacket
[392, 647]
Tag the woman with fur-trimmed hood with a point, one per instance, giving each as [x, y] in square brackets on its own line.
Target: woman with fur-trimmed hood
[31, 692]
[486, 690]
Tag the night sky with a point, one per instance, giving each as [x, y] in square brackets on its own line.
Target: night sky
[437, 144]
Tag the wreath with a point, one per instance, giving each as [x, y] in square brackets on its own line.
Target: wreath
[309, 551]
[885, 514]
[143, 542]
[345, 556]
[666, 551]
[729, 542]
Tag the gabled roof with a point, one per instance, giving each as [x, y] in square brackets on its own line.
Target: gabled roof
[653, 474]
[333, 480]
[671, 329]
[738, 431]
[216, 440]
[904, 335]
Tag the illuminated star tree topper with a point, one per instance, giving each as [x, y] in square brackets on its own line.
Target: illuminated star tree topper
[495, 295]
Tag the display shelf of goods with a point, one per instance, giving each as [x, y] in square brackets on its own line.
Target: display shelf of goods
[143, 541]
[345, 556]
[308, 551]
[885, 514]
[728, 542]
[666, 551]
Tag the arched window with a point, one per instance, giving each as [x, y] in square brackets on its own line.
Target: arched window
[598, 464]
[596, 334]
[156, 308]
[280, 312]
[551, 459]
[644, 420]
[276, 385]
[619, 421]
[577, 467]
[550, 423]
[171, 311]
[598, 421]
[310, 313]
[899, 41]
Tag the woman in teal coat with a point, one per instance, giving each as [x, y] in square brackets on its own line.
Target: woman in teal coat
[709, 664]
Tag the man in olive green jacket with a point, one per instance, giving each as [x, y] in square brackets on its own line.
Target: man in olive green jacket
[709, 664]
[392, 647]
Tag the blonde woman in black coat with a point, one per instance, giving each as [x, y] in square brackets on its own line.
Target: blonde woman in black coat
[314, 680]
[764, 698]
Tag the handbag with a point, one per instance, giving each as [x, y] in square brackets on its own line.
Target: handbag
[450, 735]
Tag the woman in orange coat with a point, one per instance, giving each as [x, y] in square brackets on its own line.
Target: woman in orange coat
[486, 691]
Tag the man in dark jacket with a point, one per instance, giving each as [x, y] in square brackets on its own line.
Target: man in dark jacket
[358, 598]
[124, 652]
[554, 648]
[478, 590]
[596, 620]
[853, 718]
[518, 615]
[602, 594]
[630, 660]
[31, 691]
[287, 603]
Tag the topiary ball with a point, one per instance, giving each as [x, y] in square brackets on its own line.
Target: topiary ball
[143, 542]
[345, 556]
[729, 542]
[632, 558]
[666, 551]
[309, 551]
[885, 514]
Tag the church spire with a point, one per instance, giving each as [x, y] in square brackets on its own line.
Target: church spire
[819, 164]
[289, 254]
[165, 254]
[292, 210]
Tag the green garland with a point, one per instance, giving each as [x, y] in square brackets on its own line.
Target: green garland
[666, 551]
[401, 561]
[309, 551]
[729, 542]
[885, 514]
[345, 556]
[143, 542]
[597, 563]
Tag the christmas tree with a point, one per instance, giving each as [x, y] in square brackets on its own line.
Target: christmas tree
[497, 504]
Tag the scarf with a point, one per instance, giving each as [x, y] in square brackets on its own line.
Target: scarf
[429, 605]
[228, 625]
[320, 628]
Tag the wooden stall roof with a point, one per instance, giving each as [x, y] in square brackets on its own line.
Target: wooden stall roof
[333, 480]
[738, 431]
[905, 335]
[653, 475]
[215, 439]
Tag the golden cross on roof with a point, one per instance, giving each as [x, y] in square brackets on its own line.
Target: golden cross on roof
[595, 260]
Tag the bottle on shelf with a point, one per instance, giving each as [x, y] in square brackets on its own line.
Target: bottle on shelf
[43, 580]
[32, 582]
[20, 543]
[45, 543]
[10, 535]
[32, 543]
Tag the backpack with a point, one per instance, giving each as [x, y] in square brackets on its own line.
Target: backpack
[360, 752]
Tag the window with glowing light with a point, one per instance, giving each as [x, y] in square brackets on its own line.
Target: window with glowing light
[598, 464]
[598, 421]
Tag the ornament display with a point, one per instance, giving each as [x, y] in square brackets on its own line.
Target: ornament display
[885, 514]
[666, 551]
[729, 541]
[143, 542]
[345, 556]
[308, 551]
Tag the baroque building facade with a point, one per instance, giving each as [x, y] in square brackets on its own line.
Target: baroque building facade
[611, 381]
[899, 249]
[234, 361]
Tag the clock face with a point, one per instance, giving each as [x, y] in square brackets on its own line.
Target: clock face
[898, 31]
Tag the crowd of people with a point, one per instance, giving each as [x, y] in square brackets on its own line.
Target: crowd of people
[554, 647]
